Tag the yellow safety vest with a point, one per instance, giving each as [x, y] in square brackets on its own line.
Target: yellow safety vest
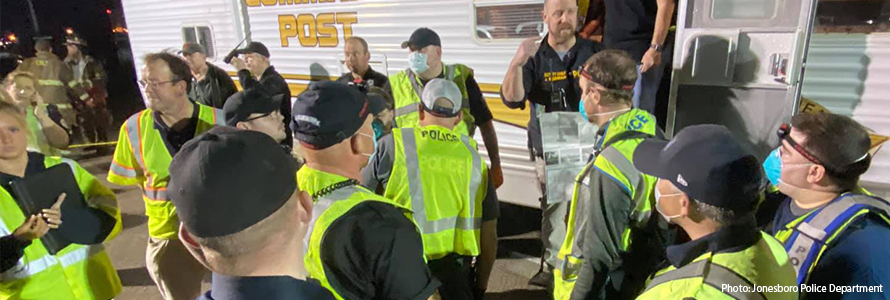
[616, 161]
[326, 210]
[803, 236]
[142, 158]
[439, 174]
[765, 264]
[407, 90]
[78, 271]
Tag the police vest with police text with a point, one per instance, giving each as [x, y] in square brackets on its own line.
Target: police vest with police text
[616, 161]
[407, 90]
[78, 272]
[439, 174]
[807, 237]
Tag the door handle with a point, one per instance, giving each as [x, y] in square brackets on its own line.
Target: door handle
[779, 66]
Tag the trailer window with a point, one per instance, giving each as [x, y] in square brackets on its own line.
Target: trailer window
[505, 19]
[852, 16]
[201, 35]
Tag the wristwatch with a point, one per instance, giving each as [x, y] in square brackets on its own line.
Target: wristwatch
[657, 47]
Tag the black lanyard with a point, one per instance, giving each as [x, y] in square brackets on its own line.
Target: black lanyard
[331, 188]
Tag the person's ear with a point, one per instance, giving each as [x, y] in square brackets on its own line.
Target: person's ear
[684, 205]
[421, 114]
[458, 118]
[816, 174]
[242, 125]
[193, 246]
[354, 144]
[595, 96]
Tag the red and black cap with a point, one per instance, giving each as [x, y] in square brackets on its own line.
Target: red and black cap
[329, 112]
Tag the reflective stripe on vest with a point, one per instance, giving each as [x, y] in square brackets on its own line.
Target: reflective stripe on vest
[714, 275]
[807, 237]
[75, 272]
[134, 133]
[570, 257]
[415, 187]
[418, 89]
[408, 91]
[153, 159]
[326, 211]
[22, 270]
[51, 82]
[614, 165]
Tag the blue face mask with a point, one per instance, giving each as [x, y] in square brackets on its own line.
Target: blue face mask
[581, 109]
[772, 166]
[417, 62]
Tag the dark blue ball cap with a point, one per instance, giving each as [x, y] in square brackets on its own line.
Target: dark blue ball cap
[227, 179]
[707, 163]
[422, 37]
[329, 112]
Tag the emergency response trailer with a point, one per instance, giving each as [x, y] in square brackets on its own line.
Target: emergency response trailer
[305, 39]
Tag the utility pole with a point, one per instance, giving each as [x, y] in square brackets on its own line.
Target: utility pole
[34, 18]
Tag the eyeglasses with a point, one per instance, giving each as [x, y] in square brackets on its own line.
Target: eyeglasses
[259, 117]
[153, 84]
[784, 133]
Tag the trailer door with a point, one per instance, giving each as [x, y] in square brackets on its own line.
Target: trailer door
[739, 63]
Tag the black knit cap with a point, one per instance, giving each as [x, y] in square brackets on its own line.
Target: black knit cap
[228, 179]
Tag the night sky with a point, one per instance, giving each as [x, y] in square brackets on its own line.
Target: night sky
[89, 19]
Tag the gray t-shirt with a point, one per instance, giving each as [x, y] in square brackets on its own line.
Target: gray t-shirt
[377, 173]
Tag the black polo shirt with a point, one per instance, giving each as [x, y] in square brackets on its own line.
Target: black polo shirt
[544, 74]
[371, 78]
[225, 287]
[375, 252]
[174, 139]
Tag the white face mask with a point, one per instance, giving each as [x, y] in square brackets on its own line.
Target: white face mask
[658, 196]
[417, 62]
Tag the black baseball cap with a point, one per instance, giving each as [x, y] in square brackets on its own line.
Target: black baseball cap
[705, 162]
[329, 112]
[421, 38]
[255, 47]
[192, 48]
[242, 104]
[228, 179]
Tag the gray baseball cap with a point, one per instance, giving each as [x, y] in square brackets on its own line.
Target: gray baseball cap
[442, 98]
